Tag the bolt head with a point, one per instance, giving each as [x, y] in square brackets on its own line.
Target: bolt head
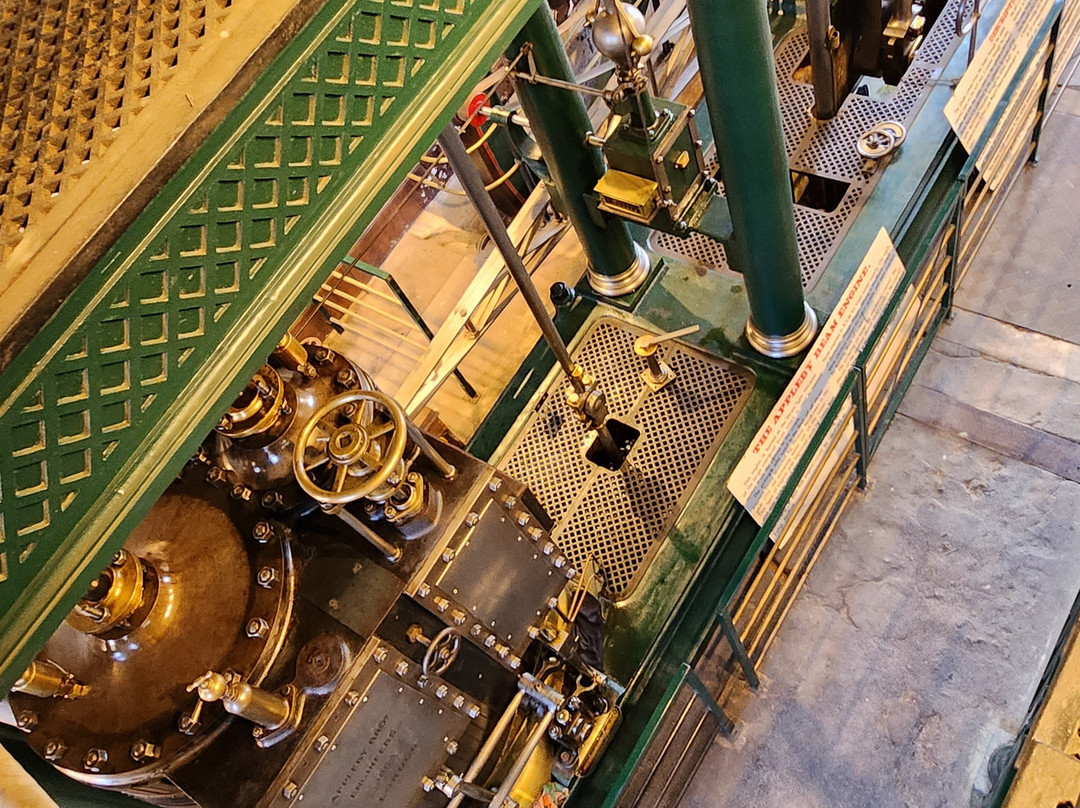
[290, 790]
[262, 532]
[472, 519]
[559, 562]
[401, 668]
[451, 748]
[145, 750]
[352, 698]
[266, 577]
[441, 691]
[423, 591]
[427, 784]
[458, 702]
[380, 654]
[95, 759]
[54, 750]
[510, 503]
[448, 555]
[26, 720]
[548, 548]
[257, 628]
[489, 641]
[322, 743]
[473, 711]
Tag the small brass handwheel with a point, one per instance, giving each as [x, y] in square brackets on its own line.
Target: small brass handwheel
[350, 446]
[441, 651]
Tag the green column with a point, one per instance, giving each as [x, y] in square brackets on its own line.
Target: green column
[559, 122]
[735, 55]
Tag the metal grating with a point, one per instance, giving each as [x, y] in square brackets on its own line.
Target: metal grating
[107, 400]
[619, 517]
[827, 149]
[74, 72]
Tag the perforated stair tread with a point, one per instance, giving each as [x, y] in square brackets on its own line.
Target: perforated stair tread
[620, 517]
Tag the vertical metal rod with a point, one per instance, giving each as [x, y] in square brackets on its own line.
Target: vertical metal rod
[952, 273]
[492, 740]
[420, 439]
[818, 24]
[1048, 71]
[737, 646]
[535, 737]
[862, 439]
[972, 43]
[473, 184]
[710, 702]
[392, 553]
[738, 75]
[421, 323]
[560, 123]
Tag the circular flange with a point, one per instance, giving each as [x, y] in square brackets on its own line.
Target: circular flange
[787, 345]
[625, 282]
[206, 571]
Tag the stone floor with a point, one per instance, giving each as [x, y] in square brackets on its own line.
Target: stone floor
[916, 646]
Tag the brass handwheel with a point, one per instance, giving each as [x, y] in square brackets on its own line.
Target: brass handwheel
[351, 449]
[441, 652]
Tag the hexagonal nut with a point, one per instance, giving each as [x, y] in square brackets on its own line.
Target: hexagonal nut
[441, 691]
[352, 698]
[145, 750]
[94, 759]
[401, 668]
[494, 484]
[257, 628]
[54, 750]
[266, 577]
[26, 720]
[290, 790]
[451, 748]
[322, 743]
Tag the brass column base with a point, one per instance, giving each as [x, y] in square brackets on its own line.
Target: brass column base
[625, 282]
[787, 345]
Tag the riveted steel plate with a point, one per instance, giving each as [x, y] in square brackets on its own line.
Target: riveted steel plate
[827, 148]
[620, 518]
[390, 728]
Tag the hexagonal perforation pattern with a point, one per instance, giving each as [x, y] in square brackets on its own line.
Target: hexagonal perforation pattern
[826, 149]
[619, 517]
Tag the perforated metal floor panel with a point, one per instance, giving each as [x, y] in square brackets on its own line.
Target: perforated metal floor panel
[75, 72]
[827, 148]
[620, 517]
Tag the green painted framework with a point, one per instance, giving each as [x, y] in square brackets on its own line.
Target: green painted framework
[105, 405]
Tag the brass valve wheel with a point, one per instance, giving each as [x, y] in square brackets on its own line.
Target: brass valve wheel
[355, 441]
[441, 652]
